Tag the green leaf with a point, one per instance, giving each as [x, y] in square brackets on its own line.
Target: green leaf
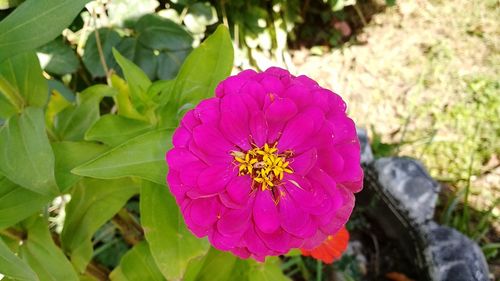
[217, 265]
[58, 58]
[34, 23]
[7, 109]
[57, 103]
[22, 82]
[91, 59]
[17, 203]
[115, 129]
[93, 202]
[142, 156]
[44, 257]
[268, 271]
[204, 68]
[13, 267]
[172, 244]
[163, 42]
[122, 100]
[137, 265]
[137, 80]
[26, 157]
[68, 155]
[74, 121]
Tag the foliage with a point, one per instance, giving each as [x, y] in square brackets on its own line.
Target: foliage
[103, 149]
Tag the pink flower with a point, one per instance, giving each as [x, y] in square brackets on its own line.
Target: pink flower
[268, 164]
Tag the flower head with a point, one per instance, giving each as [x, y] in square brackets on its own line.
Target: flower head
[268, 164]
[331, 249]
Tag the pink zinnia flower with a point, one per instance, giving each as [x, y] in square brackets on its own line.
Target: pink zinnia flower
[268, 164]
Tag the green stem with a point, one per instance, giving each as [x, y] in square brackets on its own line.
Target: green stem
[319, 270]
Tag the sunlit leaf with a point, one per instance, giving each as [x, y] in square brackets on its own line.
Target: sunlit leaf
[44, 257]
[17, 203]
[72, 123]
[13, 267]
[142, 156]
[58, 58]
[115, 129]
[34, 23]
[204, 68]
[22, 82]
[172, 244]
[68, 155]
[137, 265]
[93, 202]
[26, 157]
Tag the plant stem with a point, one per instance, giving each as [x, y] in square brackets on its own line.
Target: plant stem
[130, 229]
[319, 270]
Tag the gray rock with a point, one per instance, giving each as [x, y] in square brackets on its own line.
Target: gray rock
[408, 182]
[366, 150]
[453, 256]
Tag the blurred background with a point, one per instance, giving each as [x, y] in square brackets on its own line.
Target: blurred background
[421, 76]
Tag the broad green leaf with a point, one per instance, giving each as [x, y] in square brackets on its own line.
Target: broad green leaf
[7, 109]
[142, 156]
[204, 68]
[217, 266]
[58, 58]
[137, 81]
[268, 271]
[17, 203]
[44, 257]
[172, 244]
[93, 202]
[26, 157]
[57, 103]
[13, 267]
[22, 82]
[91, 59]
[115, 129]
[73, 122]
[122, 99]
[137, 265]
[34, 23]
[68, 155]
[163, 46]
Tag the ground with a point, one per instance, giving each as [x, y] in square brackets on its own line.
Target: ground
[424, 77]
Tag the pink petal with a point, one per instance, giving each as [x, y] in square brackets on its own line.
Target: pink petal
[302, 164]
[211, 141]
[265, 213]
[239, 189]
[234, 222]
[254, 243]
[352, 169]
[235, 119]
[214, 179]
[293, 219]
[181, 137]
[189, 121]
[207, 111]
[258, 128]
[278, 240]
[222, 242]
[331, 161]
[189, 176]
[272, 84]
[204, 212]
[279, 111]
[180, 158]
[296, 131]
[241, 252]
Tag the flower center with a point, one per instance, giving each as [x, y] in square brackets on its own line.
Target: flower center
[265, 165]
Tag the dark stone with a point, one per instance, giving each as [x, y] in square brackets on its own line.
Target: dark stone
[366, 150]
[453, 256]
[408, 182]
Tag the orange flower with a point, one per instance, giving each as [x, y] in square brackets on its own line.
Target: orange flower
[331, 249]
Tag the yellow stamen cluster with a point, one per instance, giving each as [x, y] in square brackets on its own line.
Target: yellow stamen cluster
[264, 165]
